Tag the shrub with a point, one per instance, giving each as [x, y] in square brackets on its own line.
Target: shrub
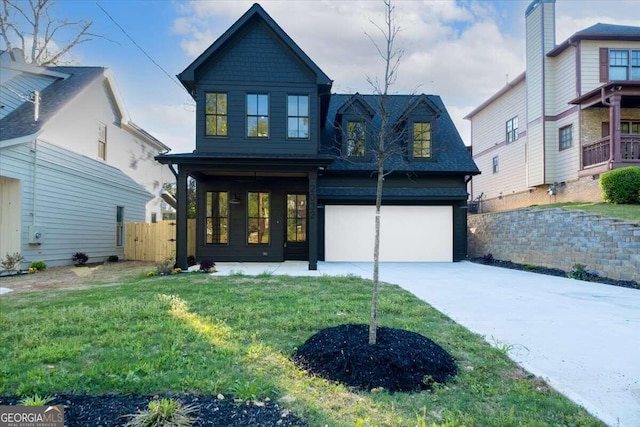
[35, 400]
[191, 260]
[488, 259]
[580, 272]
[621, 185]
[113, 258]
[12, 262]
[38, 265]
[164, 412]
[80, 258]
[207, 265]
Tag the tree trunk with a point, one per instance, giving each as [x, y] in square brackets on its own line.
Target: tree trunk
[373, 322]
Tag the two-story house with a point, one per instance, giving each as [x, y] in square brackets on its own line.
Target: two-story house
[572, 115]
[285, 169]
[73, 166]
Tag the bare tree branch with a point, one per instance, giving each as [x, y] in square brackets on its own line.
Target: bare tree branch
[33, 19]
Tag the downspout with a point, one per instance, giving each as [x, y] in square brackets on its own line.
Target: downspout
[544, 100]
[34, 191]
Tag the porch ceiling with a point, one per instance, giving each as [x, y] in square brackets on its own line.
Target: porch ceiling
[629, 90]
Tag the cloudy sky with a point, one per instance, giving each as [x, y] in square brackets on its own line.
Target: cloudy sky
[463, 51]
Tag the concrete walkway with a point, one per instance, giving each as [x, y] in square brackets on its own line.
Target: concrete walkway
[583, 338]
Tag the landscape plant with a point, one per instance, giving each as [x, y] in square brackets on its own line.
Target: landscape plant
[35, 400]
[38, 266]
[621, 185]
[12, 262]
[163, 413]
[80, 258]
[113, 258]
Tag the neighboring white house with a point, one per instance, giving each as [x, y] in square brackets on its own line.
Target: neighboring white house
[73, 167]
[573, 114]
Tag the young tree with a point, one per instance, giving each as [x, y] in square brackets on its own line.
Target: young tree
[29, 25]
[386, 138]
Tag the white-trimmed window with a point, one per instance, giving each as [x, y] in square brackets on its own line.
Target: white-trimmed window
[496, 164]
[624, 64]
[102, 141]
[512, 130]
[565, 137]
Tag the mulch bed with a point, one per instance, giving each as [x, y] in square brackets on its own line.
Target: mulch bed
[400, 361]
[111, 411]
[554, 272]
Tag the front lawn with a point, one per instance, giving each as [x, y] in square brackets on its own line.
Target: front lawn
[197, 334]
[629, 213]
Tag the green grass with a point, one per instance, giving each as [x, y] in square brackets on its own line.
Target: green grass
[629, 213]
[233, 335]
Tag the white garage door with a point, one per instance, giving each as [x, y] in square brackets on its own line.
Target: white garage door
[407, 233]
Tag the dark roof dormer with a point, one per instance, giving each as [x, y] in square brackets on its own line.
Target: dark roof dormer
[356, 104]
[190, 75]
[422, 105]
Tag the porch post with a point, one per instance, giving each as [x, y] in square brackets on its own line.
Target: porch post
[614, 122]
[181, 219]
[313, 220]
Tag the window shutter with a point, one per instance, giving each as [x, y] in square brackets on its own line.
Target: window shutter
[604, 64]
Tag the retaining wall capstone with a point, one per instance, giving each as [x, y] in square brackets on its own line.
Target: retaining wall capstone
[558, 238]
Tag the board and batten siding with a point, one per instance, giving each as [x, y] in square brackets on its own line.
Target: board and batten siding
[74, 205]
[95, 105]
[489, 140]
[257, 62]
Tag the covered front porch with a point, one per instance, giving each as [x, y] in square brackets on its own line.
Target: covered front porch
[249, 209]
[610, 127]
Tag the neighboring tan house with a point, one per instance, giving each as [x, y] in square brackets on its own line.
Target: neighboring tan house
[572, 115]
[285, 169]
[73, 167]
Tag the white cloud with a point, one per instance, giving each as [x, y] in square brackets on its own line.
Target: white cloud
[462, 51]
[173, 125]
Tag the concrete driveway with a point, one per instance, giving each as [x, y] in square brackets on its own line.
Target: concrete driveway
[583, 338]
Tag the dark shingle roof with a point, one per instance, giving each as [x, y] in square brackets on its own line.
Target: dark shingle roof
[450, 153]
[599, 31]
[20, 121]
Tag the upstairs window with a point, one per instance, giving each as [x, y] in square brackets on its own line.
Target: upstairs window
[566, 137]
[298, 116]
[215, 114]
[257, 115]
[624, 64]
[422, 140]
[258, 208]
[496, 164]
[102, 141]
[217, 219]
[512, 130]
[355, 139]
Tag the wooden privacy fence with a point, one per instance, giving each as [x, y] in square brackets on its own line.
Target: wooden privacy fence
[156, 242]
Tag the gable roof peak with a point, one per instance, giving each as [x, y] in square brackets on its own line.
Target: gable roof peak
[188, 76]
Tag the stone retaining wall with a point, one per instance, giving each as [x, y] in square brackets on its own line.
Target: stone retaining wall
[558, 238]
